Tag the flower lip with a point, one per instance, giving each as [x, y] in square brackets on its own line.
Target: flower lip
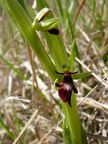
[54, 31]
[66, 87]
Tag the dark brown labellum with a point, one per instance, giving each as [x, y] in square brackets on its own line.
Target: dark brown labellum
[66, 87]
[54, 31]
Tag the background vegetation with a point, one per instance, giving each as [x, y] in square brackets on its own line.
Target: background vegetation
[87, 21]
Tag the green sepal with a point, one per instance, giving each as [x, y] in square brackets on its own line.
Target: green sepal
[46, 24]
[81, 75]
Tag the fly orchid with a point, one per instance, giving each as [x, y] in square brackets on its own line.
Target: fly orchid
[66, 86]
[46, 25]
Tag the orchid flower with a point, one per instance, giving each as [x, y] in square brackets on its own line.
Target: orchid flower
[46, 25]
[66, 87]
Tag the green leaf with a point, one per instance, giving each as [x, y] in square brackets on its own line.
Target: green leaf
[7, 129]
[70, 26]
[78, 56]
[22, 3]
[72, 56]
[66, 134]
[59, 4]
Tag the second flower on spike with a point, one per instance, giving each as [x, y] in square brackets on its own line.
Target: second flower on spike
[46, 25]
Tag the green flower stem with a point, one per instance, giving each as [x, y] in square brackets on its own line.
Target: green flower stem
[72, 119]
[20, 17]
